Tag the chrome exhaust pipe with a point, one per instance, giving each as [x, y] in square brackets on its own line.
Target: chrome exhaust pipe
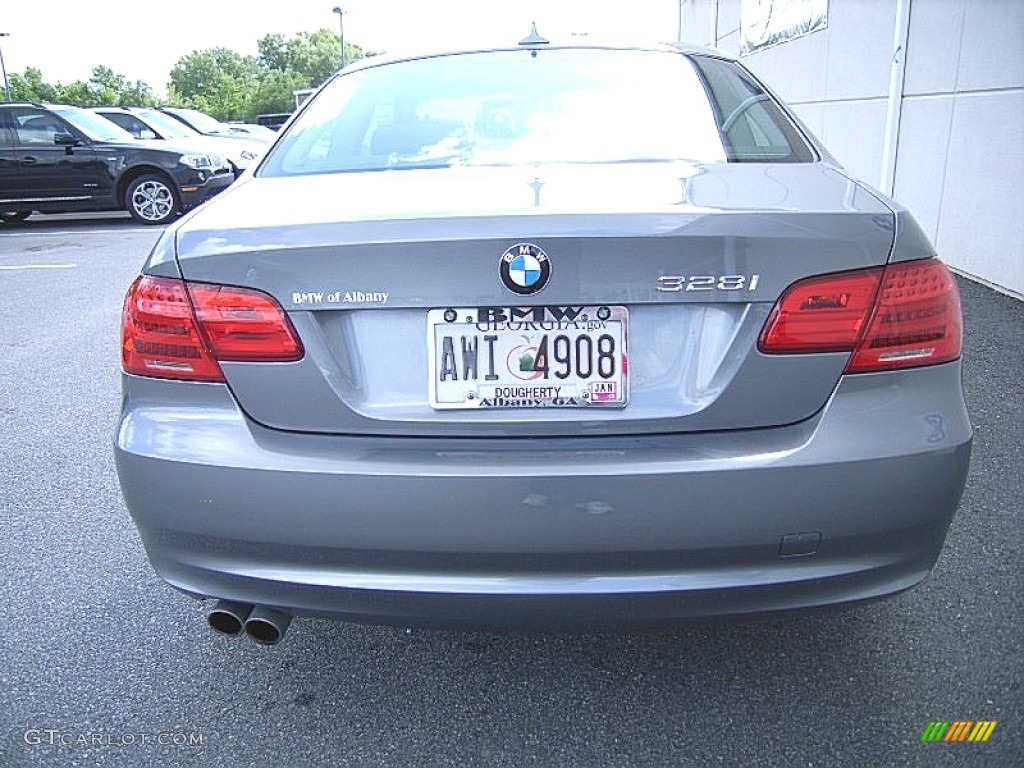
[267, 625]
[228, 617]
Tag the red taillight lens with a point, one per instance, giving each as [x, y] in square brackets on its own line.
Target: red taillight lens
[821, 314]
[174, 330]
[159, 336]
[917, 320]
[899, 316]
[244, 325]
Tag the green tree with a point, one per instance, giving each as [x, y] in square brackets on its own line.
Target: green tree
[272, 53]
[108, 87]
[218, 81]
[312, 55]
[275, 93]
[137, 94]
[31, 86]
[78, 93]
[104, 87]
[230, 86]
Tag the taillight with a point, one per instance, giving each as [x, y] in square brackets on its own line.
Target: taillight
[917, 320]
[821, 314]
[243, 324]
[159, 335]
[899, 316]
[176, 330]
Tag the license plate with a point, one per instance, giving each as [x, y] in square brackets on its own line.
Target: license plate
[528, 357]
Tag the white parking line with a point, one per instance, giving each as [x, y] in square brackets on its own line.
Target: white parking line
[60, 232]
[37, 266]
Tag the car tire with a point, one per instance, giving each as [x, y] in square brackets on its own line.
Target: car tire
[14, 217]
[151, 199]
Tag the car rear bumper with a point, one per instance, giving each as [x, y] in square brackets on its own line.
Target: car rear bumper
[851, 505]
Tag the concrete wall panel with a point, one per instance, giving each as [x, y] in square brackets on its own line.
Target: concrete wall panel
[921, 159]
[933, 55]
[807, 55]
[991, 55]
[981, 225]
[729, 20]
[859, 48]
[813, 117]
[854, 132]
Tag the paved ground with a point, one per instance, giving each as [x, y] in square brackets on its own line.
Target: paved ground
[96, 647]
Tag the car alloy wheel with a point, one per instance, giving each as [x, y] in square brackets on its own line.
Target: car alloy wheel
[151, 200]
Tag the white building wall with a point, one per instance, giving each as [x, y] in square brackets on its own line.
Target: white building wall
[960, 155]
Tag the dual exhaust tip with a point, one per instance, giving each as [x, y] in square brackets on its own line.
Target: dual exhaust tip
[264, 625]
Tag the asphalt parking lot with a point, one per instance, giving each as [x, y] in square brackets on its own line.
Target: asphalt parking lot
[97, 649]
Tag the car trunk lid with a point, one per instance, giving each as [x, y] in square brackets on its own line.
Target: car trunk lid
[693, 256]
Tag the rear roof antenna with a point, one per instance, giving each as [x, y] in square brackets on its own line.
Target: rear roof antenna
[533, 38]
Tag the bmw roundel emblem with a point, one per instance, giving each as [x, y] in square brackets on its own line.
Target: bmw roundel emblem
[524, 269]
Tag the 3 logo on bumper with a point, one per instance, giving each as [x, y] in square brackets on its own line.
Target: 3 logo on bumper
[524, 269]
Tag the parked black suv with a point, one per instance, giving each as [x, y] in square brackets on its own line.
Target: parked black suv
[56, 159]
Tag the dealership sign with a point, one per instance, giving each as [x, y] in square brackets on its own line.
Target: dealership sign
[764, 23]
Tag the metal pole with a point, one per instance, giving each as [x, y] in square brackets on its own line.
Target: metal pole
[7, 86]
[894, 104]
[713, 24]
[341, 25]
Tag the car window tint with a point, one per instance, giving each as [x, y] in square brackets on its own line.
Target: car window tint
[752, 126]
[201, 121]
[505, 108]
[6, 134]
[36, 128]
[130, 123]
[164, 125]
[92, 125]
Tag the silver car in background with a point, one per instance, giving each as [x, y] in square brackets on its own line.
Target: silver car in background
[542, 336]
[252, 130]
[152, 124]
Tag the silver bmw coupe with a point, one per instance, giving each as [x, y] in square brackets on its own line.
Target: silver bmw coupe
[543, 336]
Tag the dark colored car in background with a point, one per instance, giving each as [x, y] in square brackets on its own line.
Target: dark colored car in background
[546, 335]
[60, 159]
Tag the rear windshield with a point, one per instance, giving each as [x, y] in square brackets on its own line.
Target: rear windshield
[753, 127]
[526, 108]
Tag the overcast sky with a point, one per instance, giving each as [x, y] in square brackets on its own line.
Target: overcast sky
[142, 41]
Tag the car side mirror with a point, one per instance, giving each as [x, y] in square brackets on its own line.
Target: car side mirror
[146, 134]
[66, 140]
